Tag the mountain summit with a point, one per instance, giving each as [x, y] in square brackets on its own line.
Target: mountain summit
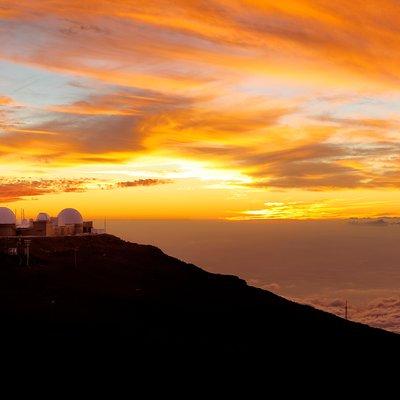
[103, 288]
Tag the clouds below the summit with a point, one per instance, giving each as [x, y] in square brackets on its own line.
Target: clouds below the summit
[382, 312]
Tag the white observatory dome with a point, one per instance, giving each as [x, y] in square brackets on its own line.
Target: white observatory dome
[7, 217]
[43, 217]
[69, 216]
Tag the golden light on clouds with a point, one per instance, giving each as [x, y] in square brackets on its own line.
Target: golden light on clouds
[237, 104]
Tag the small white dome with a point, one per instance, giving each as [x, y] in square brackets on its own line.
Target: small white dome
[26, 223]
[69, 216]
[7, 217]
[43, 217]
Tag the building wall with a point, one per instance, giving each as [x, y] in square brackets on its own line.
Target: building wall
[78, 229]
[43, 228]
[24, 231]
[88, 227]
[69, 230]
[46, 228]
[8, 230]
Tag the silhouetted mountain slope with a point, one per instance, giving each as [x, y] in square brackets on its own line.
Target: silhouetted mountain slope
[150, 300]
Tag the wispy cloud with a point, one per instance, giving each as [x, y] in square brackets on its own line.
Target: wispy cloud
[291, 210]
[16, 189]
[142, 182]
[292, 96]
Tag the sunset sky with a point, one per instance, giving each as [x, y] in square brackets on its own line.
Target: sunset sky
[210, 109]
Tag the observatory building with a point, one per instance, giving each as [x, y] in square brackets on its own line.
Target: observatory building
[8, 222]
[68, 222]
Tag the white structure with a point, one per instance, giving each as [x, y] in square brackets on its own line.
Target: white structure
[7, 217]
[68, 222]
[69, 216]
[43, 217]
[8, 222]
[25, 223]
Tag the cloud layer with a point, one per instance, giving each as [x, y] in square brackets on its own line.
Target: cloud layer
[382, 312]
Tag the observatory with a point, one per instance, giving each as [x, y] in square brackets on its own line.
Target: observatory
[68, 222]
[69, 216]
[43, 217]
[8, 222]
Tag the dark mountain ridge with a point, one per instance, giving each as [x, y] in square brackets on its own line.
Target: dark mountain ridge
[103, 288]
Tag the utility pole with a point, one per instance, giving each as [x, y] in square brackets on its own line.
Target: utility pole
[20, 252]
[27, 243]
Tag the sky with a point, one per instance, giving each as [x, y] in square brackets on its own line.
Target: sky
[217, 109]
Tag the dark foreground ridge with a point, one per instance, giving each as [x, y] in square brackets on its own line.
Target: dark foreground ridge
[141, 296]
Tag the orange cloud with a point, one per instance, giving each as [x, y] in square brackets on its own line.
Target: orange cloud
[142, 182]
[4, 101]
[348, 37]
[15, 189]
[241, 36]
[12, 189]
[287, 95]
[291, 210]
